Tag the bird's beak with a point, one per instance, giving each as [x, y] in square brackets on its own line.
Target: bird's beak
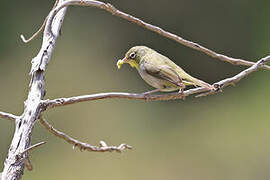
[121, 61]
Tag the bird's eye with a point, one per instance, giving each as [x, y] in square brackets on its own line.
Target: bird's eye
[132, 55]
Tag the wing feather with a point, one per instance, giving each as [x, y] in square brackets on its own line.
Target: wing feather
[162, 67]
[163, 72]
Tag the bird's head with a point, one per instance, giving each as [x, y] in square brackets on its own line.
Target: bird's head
[134, 56]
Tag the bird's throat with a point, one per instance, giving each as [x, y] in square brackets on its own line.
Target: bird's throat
[133, 64]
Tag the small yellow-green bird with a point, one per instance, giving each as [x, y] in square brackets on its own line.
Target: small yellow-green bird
[159, 71]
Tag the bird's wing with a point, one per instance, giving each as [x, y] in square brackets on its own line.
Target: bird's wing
[162, 61]
[164, 72]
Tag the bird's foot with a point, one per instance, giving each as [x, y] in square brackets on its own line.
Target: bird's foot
[218, 87]
[147, 94]
[181, 93]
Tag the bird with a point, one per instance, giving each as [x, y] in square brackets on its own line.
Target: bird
[159, 71]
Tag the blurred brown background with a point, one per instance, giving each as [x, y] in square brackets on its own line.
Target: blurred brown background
[224, 136]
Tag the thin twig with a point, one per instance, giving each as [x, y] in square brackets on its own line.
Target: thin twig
[40, 29]
[168, 96]
[235, 79]
[8, 116]
[20, 157]
[36, 33]
[110, 8]
[81, 145]
[31, 148]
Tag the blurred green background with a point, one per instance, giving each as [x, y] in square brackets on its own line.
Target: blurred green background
[224, 136]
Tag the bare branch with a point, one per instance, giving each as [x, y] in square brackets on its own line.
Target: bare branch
[110, 8]
[30, 149]
[8, 116]
[24, 157]
[83, 146]
[35, 34]
[21, 140]
[40, 29]
[168, 96]
[235, 79]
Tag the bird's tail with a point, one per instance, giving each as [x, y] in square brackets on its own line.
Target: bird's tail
[189, 80]
[203, 84]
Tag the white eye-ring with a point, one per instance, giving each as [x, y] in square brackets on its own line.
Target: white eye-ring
[132, 55]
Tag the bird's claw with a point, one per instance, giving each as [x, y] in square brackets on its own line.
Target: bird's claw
[217, 87]
[146, 96]
[181, 93]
